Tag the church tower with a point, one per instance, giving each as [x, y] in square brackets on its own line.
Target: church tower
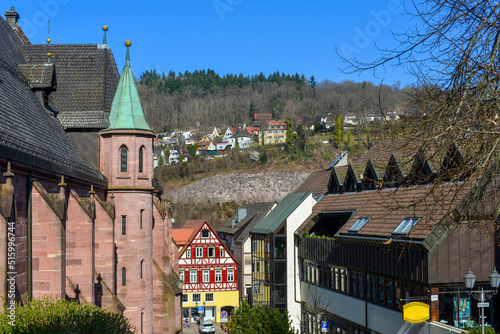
[126, 159]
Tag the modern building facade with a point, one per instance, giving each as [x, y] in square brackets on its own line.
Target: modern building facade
[383, 236]
[235, 233]
[275, 280]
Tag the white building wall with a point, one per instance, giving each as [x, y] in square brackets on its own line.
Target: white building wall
[293, 222]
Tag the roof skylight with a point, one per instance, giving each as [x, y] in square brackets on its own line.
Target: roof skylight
[358, 224]
[406, 225]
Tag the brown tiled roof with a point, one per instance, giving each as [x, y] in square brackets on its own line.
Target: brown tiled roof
[388, 207]
[316, 182]
[87, 77]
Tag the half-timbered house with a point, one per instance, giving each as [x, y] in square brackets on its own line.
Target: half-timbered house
[210, 275]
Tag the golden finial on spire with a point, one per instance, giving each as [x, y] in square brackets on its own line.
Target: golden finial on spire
[104, 28]
[128, 43]
[48, 34]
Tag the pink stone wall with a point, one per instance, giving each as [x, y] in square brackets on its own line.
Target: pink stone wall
[47, 249]
[79, 252]
[104, 252]
[110, 159]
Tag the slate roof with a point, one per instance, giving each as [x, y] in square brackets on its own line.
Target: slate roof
[87, 78]
[9, 54]
[255, 213]
[28, 132]
[280, 213]
[38, 75]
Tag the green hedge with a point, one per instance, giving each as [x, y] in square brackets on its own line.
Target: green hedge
[47, 315]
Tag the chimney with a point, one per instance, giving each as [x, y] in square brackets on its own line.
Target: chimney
[242, 213]
[11, 17]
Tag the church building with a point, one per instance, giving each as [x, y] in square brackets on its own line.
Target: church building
[81, 215]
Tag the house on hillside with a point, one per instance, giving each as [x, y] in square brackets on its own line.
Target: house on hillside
[245, 140]
[381, 236]
[206, 148]
[235, 233]
[275, 280]
[273, 133]
[210, 275]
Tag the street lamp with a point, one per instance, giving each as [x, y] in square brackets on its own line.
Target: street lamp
[204, 303]
[482, 295]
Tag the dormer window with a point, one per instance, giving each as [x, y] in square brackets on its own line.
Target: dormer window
[406, 225]
[358, 224]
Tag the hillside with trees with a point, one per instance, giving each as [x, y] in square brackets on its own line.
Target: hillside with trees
[205, 99]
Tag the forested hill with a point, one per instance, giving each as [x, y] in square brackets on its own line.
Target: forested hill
[206, 99]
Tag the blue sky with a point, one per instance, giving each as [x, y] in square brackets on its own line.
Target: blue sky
[228, 36]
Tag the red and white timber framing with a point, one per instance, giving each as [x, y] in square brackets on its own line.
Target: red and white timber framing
[206, 264]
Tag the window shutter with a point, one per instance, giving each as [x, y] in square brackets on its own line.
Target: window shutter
[193, 253]
[187, 276]
[205, 251]
[200, 276]
[217, 252]
[212, 276]
[224, 275]
[236, 274]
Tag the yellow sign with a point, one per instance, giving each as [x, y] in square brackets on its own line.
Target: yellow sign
[415, 312]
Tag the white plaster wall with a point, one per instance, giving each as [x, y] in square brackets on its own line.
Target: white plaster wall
[301, 213]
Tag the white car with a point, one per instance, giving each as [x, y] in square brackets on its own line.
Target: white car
[207, 327]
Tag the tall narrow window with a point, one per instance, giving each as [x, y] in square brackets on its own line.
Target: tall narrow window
[142, 321]
[141, 159]
[140, 218]
[124, 225]
[142, 268]
[124, 277]
[123, 159]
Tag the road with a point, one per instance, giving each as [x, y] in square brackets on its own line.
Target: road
[194, 329]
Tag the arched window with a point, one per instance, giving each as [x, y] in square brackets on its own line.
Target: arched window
[142, 268]
[123, 159]
[124, 277]
[141, 160]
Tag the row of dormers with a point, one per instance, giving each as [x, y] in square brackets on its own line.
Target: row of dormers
[355, 177]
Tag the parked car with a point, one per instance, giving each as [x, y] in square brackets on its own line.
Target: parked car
[207, 327]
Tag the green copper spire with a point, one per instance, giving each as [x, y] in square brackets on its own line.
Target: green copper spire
[126, 110]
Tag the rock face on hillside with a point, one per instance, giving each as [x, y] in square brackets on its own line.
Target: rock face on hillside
[263, 187]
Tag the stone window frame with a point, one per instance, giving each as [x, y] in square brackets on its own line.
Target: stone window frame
[123, 159]
[124, 276]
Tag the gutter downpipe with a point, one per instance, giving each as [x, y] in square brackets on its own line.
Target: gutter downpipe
[29, 222]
